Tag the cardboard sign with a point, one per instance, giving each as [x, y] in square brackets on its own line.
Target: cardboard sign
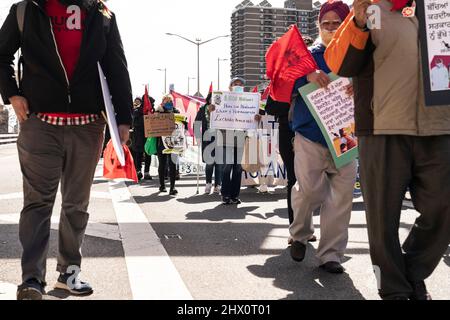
[434, 22]
[159, 124]
[333, 111]
[235, 111]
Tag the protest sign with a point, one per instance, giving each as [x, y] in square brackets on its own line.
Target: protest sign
[333, 111]
[111, 117]
[235, 111]
[434, 22]
[175, 142]
[159, 124]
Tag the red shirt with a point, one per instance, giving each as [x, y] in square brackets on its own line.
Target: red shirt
[68, 26]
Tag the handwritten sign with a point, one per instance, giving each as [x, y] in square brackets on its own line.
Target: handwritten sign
[159, 124]
[235, 110]
[334, 111]
[434, 21]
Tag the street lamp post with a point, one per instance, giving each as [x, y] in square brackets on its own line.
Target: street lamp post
[218, 71]
[198, 42]
[165, 79]
[189, 84]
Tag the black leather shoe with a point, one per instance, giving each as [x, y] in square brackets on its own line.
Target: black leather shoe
[420, 291]
[162, 189]
[30, 290]
[333, 267]
[298, 251]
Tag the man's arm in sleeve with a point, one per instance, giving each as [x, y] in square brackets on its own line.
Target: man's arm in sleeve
[116, 71]
[350, 50]
[9, 44]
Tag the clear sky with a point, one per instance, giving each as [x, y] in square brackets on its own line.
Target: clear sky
[143, 24]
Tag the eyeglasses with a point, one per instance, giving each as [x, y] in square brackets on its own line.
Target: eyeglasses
[330, 24]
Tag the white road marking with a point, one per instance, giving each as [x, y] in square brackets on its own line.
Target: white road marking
[19, 195]
[7, 291]
[94, 229]
[151, 272]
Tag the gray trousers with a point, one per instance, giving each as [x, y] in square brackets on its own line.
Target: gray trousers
[49, 155]
[389, 165]
[321, 184]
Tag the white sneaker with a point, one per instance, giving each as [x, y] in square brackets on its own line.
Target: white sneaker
[208, 188]
[217, 189]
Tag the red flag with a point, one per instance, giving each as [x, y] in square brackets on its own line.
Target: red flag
[148, 108]
[188, 107]
[112, 169]
[287, 60]
[255, 89]
[210, 88]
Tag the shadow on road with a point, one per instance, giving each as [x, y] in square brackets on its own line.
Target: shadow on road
[305, 281]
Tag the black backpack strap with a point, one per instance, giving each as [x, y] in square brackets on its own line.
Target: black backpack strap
[21, 8]
[106, 24]
[20, 13]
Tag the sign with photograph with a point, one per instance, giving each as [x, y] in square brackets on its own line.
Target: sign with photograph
[434, 20]
[334, 111]
[175, 141]
[159, 124]
[235, 111]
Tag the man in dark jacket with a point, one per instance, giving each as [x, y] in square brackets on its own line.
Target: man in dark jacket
[138, 139]
[58, 104]
[403, 143]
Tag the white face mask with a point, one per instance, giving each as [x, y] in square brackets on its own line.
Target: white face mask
[326, 36]
[238, 89]
[440, 65]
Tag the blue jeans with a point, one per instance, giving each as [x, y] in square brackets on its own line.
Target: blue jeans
[232, 173]
[217, 170]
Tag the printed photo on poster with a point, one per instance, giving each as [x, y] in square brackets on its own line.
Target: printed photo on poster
[434, 24]
[333, 111]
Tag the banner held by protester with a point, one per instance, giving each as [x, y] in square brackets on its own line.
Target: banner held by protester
[334, 111]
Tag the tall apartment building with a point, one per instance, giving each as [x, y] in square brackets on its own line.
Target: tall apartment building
[255, 27]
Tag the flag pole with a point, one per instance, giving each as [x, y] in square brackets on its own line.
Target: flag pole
[198, 168]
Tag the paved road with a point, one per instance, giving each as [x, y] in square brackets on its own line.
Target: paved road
[144, 245]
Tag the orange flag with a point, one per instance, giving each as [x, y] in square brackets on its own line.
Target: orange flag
[287, 60]
[112, 168]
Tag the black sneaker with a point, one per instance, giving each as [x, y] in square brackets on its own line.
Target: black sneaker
[147, 176]
[162, 189]
[226, 201]
[73, 284]
[173, 192]
[139, 175]
[298, 251]
[236, 201]
[31, 289]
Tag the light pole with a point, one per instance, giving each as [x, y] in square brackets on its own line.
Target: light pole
[198, 42]
[218, 71]
[189, 84]
[165, 79]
